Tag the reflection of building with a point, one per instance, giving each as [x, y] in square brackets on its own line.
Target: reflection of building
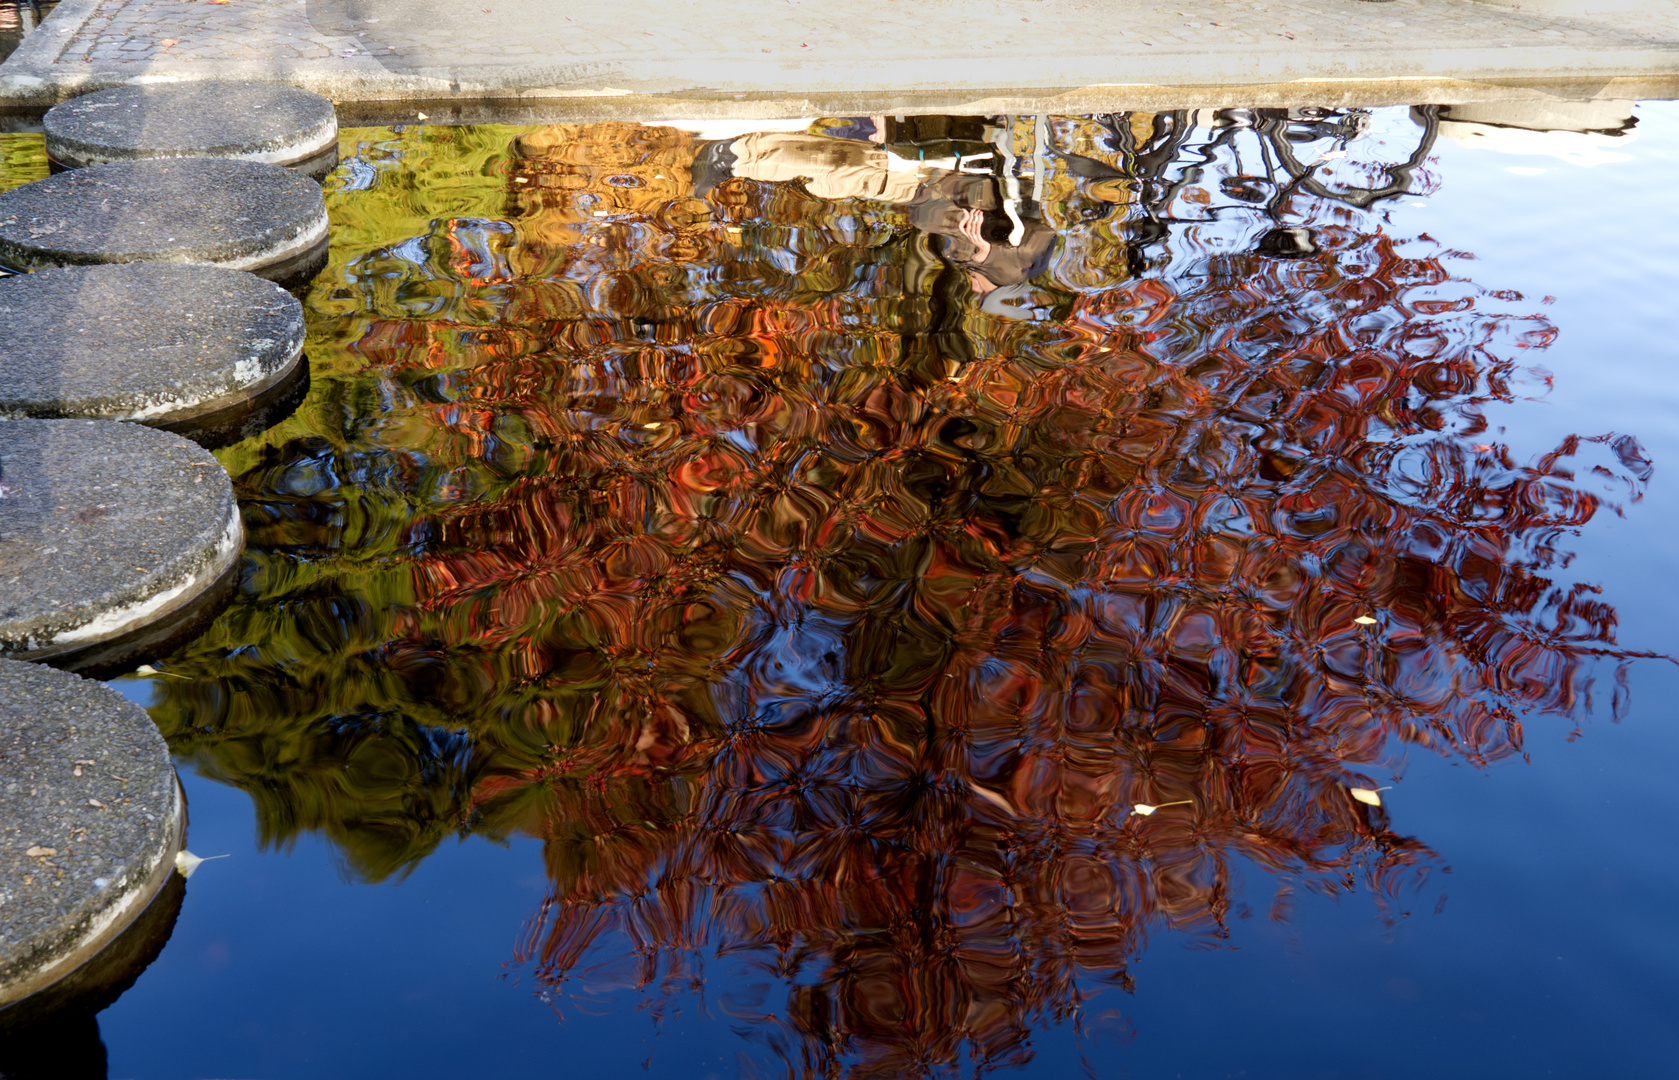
[1579, 132]
[812, 614]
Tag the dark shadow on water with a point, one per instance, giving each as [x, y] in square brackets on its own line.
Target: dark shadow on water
[64, 1047]
[55, 1034]
[222, 425]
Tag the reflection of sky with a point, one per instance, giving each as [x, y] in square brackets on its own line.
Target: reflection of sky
[1553, 955]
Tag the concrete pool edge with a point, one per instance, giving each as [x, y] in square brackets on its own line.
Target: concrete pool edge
[103, 929]
[1500, 51]
[424, 104]
[94, 864]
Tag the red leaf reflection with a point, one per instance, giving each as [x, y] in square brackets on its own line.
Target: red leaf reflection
[822, 620]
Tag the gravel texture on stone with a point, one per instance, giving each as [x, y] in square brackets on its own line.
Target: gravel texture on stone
[240, 214]
[104, 528]
[141, 341]
[254, 121]
[89, 816]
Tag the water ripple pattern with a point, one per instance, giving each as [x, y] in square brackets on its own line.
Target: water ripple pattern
[913, 563]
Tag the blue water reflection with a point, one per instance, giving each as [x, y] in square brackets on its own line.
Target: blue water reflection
[1546, 950]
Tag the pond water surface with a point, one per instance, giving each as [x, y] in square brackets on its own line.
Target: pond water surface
[1144, 595]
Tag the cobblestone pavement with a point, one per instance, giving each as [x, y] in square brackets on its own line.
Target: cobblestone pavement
[371, 49]
[183, 31]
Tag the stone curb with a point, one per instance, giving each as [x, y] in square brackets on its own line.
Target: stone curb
[85, 501]
[1098, 71]
[161, 344]
[272, 123]
[94, 817]
[237, 214]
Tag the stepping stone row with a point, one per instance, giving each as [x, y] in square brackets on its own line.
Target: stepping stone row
[118, 539]
[146, 301]
[182, 173]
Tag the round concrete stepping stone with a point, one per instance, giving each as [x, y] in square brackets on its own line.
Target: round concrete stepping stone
[267, 122]
[91, 818]
[115, 540]
[179, 347]
[239, 214]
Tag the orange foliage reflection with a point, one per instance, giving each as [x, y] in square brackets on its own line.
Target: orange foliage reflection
[861, 627]
[827, 620]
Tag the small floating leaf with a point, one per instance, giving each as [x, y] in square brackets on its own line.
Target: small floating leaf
[1145, 809]
[1367, 796]
[993, 798]
[147, 669]
[1365, 620]
[187, 863]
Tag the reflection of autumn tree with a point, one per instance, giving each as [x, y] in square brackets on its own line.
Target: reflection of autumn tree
[812, 618]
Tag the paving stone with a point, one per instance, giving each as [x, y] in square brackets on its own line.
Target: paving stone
[241, 214]
[91, 817]
[158, 343]
[112, 536]
[888, 50]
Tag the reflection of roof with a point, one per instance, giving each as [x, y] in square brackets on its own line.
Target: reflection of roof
[1580, 133]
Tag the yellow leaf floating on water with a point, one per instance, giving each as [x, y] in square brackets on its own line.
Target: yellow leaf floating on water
[147, 669]
[992, 797]
[1146, 810]
[1365, 620]
[1367, 796]
[187, 863]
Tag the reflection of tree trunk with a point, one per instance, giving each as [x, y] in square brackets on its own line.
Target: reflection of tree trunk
[1426, 117]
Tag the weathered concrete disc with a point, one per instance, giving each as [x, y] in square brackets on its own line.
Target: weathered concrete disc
[266, 122]
[152, 342]
[107, 530]
[238, 214]
[90, 820]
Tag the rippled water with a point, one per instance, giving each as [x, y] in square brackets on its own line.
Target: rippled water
[915, 598]
[18, 19]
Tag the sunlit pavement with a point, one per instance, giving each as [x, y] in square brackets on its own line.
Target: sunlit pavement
[762, 57]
